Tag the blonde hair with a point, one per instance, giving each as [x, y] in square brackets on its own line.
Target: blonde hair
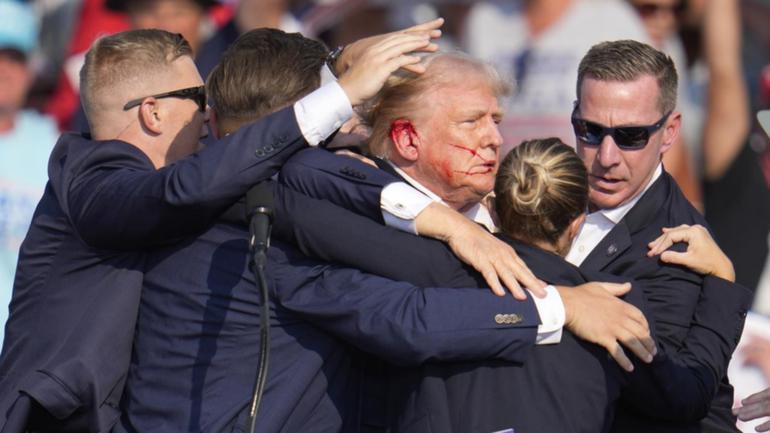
[125, 57]
[402, 95]
[541, 187]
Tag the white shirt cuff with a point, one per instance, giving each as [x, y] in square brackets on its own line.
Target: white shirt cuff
[552, 316]
[327, 76]
[400, 204]
[322, 112]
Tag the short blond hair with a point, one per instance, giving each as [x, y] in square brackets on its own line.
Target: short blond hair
[126, 56]
[403, 93]
[541, 187]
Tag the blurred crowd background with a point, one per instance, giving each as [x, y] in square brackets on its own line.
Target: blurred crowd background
[721, 48]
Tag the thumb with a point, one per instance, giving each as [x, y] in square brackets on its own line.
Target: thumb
[616, 289]
[674, 257]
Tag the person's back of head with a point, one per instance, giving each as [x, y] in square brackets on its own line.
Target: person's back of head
[540, 191]
[124, 66]
[263, 71]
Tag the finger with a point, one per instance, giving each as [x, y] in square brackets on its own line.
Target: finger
[679, 227]
[426, 26]
[616, 352]
[753, 411]
[638, 341]
[400, 62]
[399, 44]
[490, 276]
[615, 289]
[660, 244]
[675, 258]
[509, 280]
[757, 397]
[765, 426]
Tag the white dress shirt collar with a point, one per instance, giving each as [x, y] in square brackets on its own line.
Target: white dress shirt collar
[478, 213]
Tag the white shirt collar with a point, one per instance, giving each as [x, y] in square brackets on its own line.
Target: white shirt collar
[478, 213]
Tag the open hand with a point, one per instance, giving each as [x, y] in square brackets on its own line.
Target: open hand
[703, 255]
[353, 52]
[596, 314]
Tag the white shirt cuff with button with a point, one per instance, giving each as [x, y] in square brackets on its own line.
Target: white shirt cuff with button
[401, 204]
[322, 112]
[552, 316]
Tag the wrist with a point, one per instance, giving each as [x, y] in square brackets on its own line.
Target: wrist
[334, 61]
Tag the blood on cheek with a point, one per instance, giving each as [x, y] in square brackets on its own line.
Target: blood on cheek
[474, 154]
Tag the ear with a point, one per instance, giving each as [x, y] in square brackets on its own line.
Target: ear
[575, 225]
[214, 124]
[149, 116]
[405, 140]
[671, 131]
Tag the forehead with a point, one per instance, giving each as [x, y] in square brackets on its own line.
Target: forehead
[467, 92]
[617, 103]
[183, 73]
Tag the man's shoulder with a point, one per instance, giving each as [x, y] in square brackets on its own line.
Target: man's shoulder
[663, 205]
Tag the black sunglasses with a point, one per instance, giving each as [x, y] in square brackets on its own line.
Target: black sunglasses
[197, 94]
[626, 137]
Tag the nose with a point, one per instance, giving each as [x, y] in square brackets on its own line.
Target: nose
[492, 135]
[609, 153]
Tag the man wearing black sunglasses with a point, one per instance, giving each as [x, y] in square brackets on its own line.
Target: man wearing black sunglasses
[624, 121]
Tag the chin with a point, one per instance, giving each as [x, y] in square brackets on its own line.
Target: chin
[605, 201]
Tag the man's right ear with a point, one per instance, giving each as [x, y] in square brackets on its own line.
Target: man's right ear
[406, 141]
[149, 116]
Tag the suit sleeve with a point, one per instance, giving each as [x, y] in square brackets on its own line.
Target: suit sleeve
[115, 200]
[682, 381]
[342, 180]
[330, 233]
[399, 322]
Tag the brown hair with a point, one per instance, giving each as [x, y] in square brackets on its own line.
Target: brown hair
[263, 71]
[541, 187]
[629, 60]
[126, 56]
[402, 94]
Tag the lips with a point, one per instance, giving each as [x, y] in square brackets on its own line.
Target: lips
[604, 182]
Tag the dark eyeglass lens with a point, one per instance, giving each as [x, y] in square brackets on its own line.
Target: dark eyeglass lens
[631, 137]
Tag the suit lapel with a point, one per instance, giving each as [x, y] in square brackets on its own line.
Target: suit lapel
[612, 246]
[618, 239]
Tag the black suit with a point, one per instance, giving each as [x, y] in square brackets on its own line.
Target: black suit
[674, 294]
[68, 338]
[690, 380]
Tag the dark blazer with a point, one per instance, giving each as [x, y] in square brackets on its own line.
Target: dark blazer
[197, 343]
[683, 304]
[691, 377]
[68, 338]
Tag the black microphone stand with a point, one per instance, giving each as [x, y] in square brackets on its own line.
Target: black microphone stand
[259, 229]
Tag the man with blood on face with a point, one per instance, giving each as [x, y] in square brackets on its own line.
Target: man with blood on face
[447, 140]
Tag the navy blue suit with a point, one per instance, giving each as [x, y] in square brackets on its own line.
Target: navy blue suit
[683, 305]
[197, 341]
[689, 382]
[68, 339]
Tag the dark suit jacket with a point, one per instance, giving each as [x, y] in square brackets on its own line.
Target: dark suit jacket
[197, 343]
[68, 338]
[690, 380]
[683, 305]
